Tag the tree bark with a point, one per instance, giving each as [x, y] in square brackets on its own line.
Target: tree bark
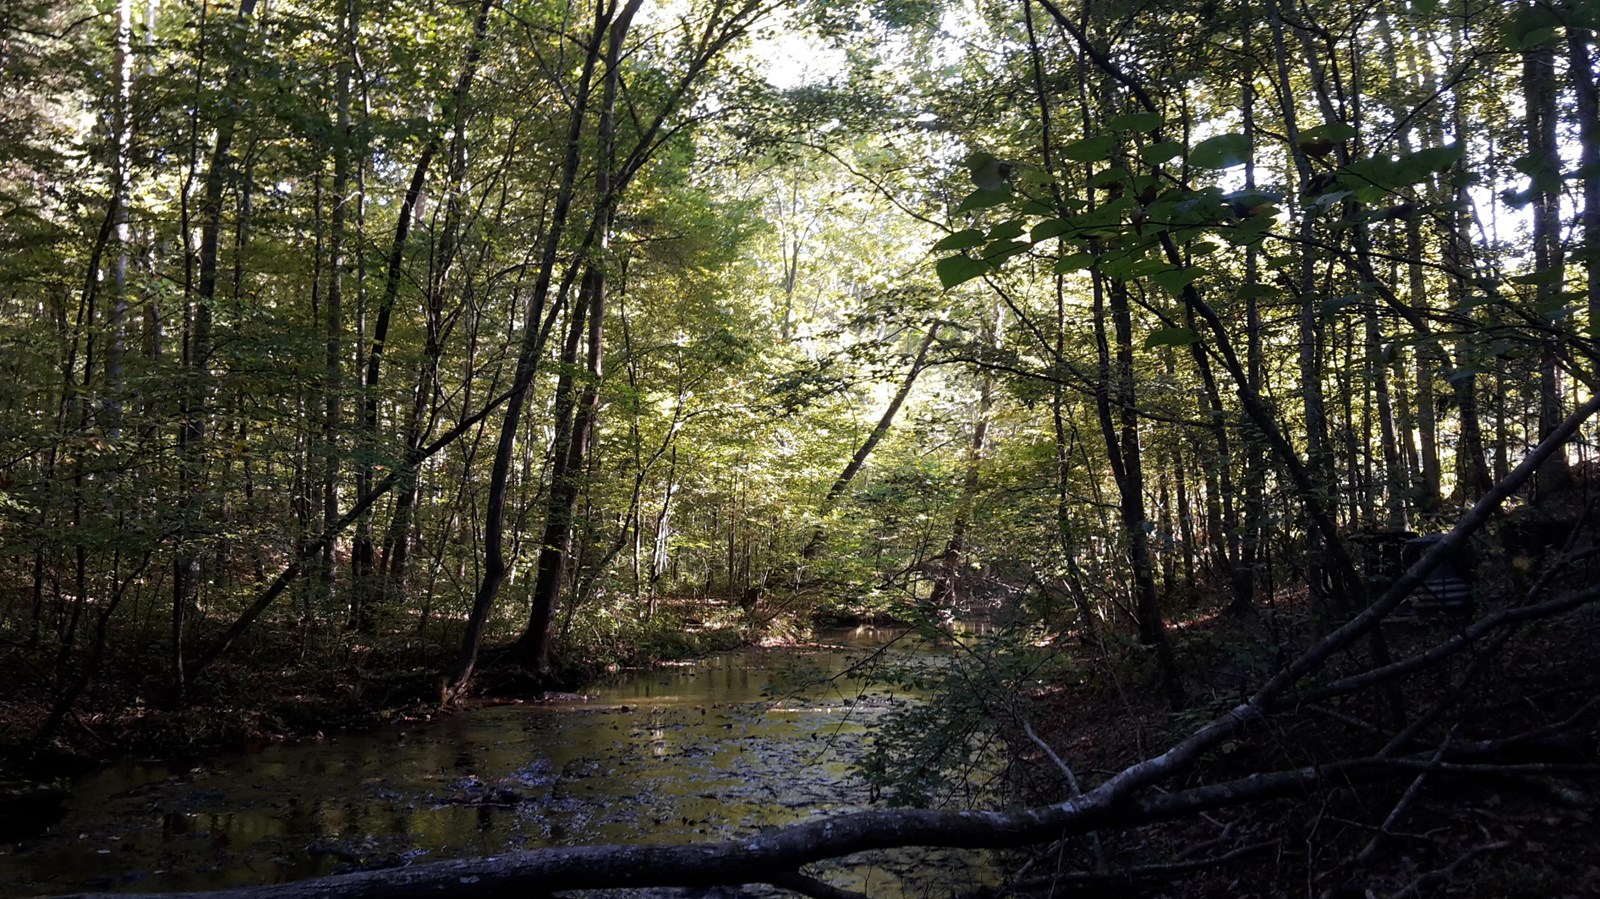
[813, 547]
[1581, 67]
[533, 647]
[393, 560]
[1128, 796]
[333, 371]
[197, 393]
[494, 565]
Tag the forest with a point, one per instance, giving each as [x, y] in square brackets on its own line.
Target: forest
[1212, 382]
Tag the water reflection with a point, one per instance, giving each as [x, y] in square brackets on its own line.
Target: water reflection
[724, 746]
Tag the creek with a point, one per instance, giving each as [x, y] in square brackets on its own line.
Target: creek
[705, 750]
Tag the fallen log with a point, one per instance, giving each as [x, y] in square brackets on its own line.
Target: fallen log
[776, 856]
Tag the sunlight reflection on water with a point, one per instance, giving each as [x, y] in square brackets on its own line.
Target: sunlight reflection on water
[729, 745]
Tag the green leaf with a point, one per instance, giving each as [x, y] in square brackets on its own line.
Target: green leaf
[1113, 175]
[1000, 250]
[1006, 230]
[961, 240]
[1250, 230]
[1155, 154]
[1334, 131]
[1174, 280]
[1377, 171]
[987, 171]
[1529, 27]
[1221, 152]
[1146, 266]
[983, 198]
[1538, 278]
[1334, 304]
[1049, 228]
[959, 269]
[1090, 149]
[1135, 121]
[1413, 168]
[1030, 206]
[1075, 263]
[1171, 337]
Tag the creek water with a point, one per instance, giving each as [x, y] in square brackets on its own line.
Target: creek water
[720, 747]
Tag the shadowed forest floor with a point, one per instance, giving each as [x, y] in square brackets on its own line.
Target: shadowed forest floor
[1529, 831]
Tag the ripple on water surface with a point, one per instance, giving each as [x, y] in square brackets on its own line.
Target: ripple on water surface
[725, 746]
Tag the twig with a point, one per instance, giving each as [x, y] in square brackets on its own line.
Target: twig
[1146, 872]
[1072, 783]
[1404, 802]
[806, 885]
[1066, 770]
[1423, 884]
[1208, 845]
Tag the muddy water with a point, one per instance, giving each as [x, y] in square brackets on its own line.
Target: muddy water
[723, 746]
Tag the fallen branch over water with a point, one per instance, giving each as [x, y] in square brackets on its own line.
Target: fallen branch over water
[777, 856]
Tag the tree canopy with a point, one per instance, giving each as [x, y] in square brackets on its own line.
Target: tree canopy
[545, 336]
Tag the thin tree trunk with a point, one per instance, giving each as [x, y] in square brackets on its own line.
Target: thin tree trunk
[197, 393]
[1311, 340]
[1581, 66]
[1152, 625]
[842, 483]
[393, 562]
[1539, 98]
[945, 593]
[494, 567]
[332, 387]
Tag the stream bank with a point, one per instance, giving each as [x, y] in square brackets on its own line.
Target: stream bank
[728, 744]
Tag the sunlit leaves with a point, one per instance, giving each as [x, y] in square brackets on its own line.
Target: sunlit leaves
[1221, 152]
[1171, 337]
[1135, 121]
[962, 240]
[1090, 149]
[959, 269]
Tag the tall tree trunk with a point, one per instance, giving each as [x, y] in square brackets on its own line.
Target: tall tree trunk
[1311, 339]
[395, 544]
[1472, 469]
[1254, 517]
[494, 566]
[533, 647]
[1152, 625]
[813, 547]
[122, 138]
[1581, 65]
[197, 392]
[333, 375]
[1544, 156]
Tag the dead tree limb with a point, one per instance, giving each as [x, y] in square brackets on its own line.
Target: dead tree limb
[1124, 798]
